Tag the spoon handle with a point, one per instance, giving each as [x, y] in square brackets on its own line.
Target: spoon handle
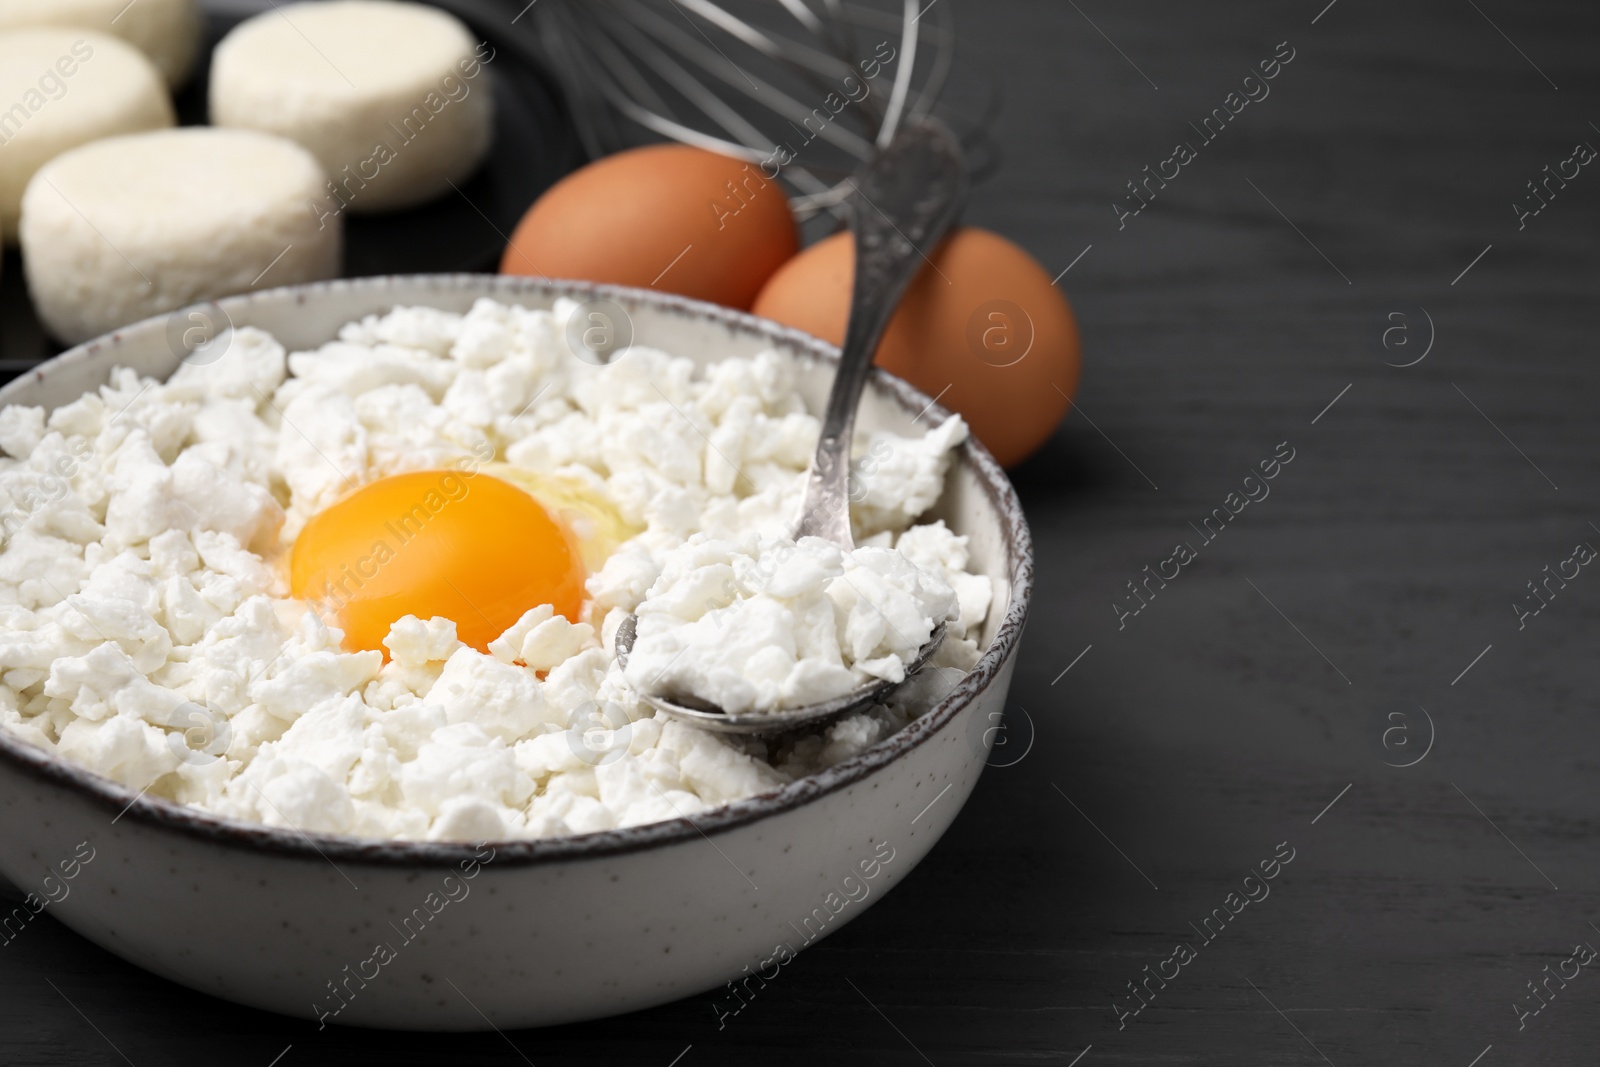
[904, 203]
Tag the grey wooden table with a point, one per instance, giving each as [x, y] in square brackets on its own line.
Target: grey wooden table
[1263, 703]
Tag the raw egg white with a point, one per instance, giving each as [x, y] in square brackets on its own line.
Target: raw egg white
[583, 509]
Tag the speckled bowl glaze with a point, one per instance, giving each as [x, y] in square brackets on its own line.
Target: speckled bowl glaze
[452, 937]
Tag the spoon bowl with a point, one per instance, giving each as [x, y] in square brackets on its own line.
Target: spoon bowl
[812, 716]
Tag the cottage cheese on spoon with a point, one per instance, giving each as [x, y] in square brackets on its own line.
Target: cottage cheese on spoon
[749, 626]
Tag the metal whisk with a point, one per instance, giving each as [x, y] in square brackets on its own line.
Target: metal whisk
[807, 89]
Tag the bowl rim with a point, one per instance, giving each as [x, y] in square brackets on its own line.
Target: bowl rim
[194, 822]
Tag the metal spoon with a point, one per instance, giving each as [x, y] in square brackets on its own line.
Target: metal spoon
[904, 203]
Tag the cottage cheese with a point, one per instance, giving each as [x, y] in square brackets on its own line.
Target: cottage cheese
[149, 636]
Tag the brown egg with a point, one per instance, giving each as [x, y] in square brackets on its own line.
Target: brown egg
[986, 332]
[668, 217]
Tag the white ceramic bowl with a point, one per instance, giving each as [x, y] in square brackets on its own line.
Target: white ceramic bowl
[524, 933]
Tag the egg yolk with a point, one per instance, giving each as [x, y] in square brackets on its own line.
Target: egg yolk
[468, 547]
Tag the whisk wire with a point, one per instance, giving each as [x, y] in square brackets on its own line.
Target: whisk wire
[719, 75]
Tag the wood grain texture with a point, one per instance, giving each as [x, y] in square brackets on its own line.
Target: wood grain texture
[1182, 749]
